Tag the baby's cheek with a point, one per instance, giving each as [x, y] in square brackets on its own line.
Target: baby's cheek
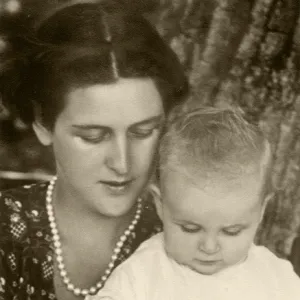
[179, 247]
[235, 250]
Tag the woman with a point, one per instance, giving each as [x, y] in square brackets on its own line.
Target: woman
[95, 83]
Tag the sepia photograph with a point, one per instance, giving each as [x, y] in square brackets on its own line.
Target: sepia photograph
[149, 149]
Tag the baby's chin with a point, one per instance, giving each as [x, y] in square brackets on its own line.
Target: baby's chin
[208, 271]
[213, 268]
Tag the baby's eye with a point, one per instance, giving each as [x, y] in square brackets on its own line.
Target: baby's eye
[232, 232]
[190, 228]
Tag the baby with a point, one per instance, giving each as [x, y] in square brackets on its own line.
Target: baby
[214, 177]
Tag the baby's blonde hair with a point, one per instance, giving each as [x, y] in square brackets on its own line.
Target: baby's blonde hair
[209, 141]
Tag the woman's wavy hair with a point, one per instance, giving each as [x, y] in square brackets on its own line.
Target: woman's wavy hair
[80, 45]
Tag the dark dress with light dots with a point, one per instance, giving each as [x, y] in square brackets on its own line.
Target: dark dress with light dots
[26, 249]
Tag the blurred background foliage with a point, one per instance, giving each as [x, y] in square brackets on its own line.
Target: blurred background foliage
[243, 53]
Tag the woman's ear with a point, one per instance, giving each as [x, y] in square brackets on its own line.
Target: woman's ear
[43, 134]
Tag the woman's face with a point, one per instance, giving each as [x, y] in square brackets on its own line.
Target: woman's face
[104, 143]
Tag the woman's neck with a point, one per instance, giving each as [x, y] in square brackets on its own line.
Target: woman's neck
[76, 219]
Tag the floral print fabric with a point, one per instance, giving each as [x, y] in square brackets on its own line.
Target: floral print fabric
[26, 250]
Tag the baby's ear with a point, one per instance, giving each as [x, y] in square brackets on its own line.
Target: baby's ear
[158, 205]
[155, 191]
[265, 203]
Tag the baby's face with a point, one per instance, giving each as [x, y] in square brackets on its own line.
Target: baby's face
[210, 226]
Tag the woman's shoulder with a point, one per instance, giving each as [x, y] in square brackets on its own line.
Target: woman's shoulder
[25, 241]
[19, 208]
[25, 190]
[23, 199]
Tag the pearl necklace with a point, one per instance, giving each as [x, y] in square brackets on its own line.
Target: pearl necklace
[58, 249]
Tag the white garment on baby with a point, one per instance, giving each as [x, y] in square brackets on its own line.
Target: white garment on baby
[149, 274]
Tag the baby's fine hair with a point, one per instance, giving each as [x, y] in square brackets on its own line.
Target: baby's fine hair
[208, 142]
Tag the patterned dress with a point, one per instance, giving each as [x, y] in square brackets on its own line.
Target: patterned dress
[26, 250]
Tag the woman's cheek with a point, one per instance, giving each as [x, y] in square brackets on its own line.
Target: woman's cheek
[143, 152]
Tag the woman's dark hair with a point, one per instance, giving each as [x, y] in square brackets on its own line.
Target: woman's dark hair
[80, 45]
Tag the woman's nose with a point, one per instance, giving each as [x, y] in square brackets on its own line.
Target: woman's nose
[118, 158]
[209, 245]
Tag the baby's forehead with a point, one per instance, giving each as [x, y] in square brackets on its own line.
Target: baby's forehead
[214, 207]
[186, 192]
[207, 178]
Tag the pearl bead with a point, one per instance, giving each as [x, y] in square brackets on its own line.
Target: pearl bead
[57, 244]
[120, 244]
[84, 292]
[56, 238]
[59, 259]
[99, 285]
[66, 280]
[77, 291]
[58, 250]
[54, 231]
[52, 225]
[49, 208]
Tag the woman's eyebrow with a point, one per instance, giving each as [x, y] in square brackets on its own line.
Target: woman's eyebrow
[154, 119]
[151, 120]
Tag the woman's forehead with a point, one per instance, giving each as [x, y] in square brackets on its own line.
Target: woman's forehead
[126, 101]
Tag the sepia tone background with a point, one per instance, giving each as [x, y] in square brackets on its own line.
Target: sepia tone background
[244, 53]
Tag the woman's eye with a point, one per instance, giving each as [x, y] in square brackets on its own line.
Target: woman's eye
[92, 140]
[190, 229]
[142, 133]
[95, 138]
